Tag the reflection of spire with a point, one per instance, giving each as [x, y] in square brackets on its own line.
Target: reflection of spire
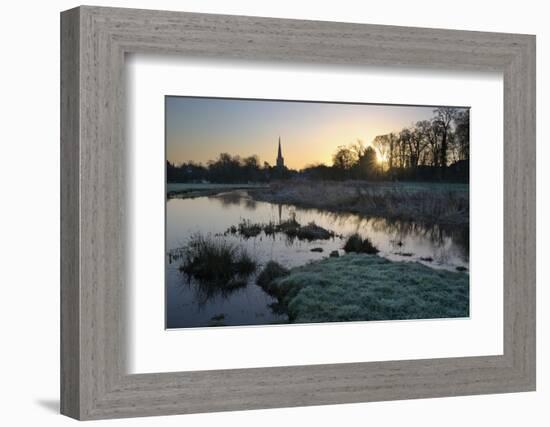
[280, 212]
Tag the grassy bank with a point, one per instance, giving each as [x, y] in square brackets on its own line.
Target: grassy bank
[436, 203]
[359, 287]
[190, 190]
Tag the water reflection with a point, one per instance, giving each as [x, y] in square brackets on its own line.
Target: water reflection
[204, 291]
[190, 303]
[238, 197]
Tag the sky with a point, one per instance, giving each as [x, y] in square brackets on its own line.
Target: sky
[199, 129]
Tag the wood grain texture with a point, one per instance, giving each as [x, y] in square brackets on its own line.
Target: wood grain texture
[70, 292]
[94, 231]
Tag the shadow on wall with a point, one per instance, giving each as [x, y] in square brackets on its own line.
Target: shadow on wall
[51, 405]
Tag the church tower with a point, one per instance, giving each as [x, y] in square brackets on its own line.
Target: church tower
[280, 159]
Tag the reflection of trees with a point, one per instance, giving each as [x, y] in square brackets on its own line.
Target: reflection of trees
[250, 204]
[453, 238]
[237, 198]
[230, 198]
[461, 239]
[437, 234]
[399, 230]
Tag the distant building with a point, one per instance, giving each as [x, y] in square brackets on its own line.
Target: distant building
[280, 159]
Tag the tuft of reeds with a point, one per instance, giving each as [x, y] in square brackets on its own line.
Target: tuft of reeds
[232, 230]
[248, 229]
[356, 243]
[270, 228]
[290, 227]
[216, 261]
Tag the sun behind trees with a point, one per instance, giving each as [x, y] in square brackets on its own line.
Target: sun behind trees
[430, 150]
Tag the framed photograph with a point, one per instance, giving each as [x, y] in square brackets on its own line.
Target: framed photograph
[330, 234]
[262, 213]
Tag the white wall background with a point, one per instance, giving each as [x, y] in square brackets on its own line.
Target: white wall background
[29, 215]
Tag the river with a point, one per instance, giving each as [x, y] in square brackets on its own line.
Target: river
[188, 305]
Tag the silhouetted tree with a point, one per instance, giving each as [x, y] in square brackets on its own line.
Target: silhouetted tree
[462, 132]
[444, 118]
[367, 163]
[417, 144]
[343, 160]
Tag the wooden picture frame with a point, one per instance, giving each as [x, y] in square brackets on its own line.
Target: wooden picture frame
[94, 382]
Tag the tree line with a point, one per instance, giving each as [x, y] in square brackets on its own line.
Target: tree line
[439, 142]
[226, 168]
[431, 150]
[435, 149]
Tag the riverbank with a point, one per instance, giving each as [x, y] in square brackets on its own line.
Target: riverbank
[191, 190]
[358, 287]
[431, 203]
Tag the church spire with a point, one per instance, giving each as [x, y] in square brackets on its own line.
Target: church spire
[280, 159]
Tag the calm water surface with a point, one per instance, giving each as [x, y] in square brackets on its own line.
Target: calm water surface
[189, 305]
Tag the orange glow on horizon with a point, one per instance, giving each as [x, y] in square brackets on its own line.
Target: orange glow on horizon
[199, 130]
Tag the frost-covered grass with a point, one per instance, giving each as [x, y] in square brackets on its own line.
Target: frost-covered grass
[358, 287]
[441, 203]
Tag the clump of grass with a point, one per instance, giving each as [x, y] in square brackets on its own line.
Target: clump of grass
[270, 228]
[232, 230]
[313, 232]
[248, 229]
[216, 261]
[290, 227]
[356, 243]
[293, 229]
[272, 271]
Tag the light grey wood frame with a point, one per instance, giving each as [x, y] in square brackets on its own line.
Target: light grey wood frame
[94, 41]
